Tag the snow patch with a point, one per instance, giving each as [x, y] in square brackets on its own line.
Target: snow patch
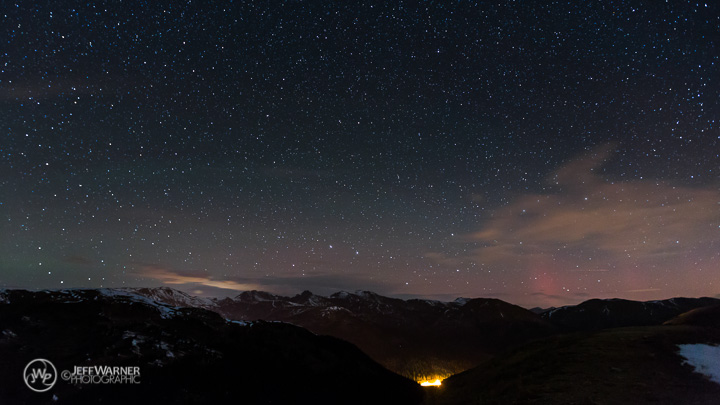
[704, 358]
[241, 323]
[554, 310]
[164, 346]
[313, 301]
[136, 340]
[9, 334]
[326, 312]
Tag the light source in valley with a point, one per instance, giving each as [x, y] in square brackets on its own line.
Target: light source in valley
[435, 383]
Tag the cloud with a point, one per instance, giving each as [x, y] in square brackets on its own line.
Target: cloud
[580, 172]
[644, 290]
[550, 299]
[171, 277]
[319, 284]
[585, 216]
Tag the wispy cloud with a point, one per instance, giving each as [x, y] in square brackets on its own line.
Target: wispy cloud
[320, 283]
[584, 215]
[168, 276]
[587, 234]
[644, 290]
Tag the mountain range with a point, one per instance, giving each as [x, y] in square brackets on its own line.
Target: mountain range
[421, 339]
[355, 347]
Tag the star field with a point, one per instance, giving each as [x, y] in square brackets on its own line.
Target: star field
[541, 153]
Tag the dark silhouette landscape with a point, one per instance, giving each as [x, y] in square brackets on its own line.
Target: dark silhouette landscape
[357, 347]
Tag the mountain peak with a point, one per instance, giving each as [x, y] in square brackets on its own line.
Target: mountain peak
[255, 296]
[306, 294]
[341, 295]
[308, 298]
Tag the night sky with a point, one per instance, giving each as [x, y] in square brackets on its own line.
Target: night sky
[538, 153]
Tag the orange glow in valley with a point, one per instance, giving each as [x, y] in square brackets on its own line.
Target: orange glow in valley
[435, 383]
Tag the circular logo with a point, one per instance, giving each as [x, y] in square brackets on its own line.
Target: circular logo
[40, 375]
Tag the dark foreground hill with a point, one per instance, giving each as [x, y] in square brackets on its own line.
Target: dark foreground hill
[599, 314]
[604, 363]
[184, 355]
[637, 365]
[708, 317]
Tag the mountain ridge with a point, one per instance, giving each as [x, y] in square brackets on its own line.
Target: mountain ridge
[420, 338]
[479, 342]
[450, 336]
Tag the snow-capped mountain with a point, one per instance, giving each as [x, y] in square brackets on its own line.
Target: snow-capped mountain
[171, 296]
